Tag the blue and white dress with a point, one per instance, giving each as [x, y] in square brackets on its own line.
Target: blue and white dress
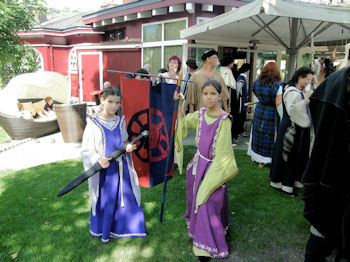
[265, 122]
[114, 192]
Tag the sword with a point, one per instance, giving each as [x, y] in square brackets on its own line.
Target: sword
[97, 167]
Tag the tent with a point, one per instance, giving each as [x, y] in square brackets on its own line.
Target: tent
[36, 85]
[284, 23]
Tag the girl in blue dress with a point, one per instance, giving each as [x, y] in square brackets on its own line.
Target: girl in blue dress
[115, 197]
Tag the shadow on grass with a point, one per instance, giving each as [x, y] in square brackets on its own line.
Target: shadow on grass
[39, 226]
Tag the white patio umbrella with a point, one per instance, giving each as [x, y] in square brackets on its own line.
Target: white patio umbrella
[34, 85]
[286, 23]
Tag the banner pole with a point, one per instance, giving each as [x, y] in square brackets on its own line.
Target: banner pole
[171, 144]
[149, 76]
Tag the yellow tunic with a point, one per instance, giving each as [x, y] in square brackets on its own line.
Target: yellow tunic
[224, 165]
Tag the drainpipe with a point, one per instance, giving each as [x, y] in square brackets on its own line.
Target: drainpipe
[52, 57]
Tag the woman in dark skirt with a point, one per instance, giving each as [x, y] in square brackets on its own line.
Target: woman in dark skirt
[286, 175]
[266, 120]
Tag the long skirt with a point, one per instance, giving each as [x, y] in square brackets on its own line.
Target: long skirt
[209, 225]
[111, 219]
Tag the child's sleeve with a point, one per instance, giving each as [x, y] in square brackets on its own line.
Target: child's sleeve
[124, 133]
[190, 121]
[89, 155]
[224, 165]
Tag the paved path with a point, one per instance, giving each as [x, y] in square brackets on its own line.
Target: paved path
[35, 152]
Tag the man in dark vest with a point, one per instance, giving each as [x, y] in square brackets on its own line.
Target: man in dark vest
[327, 178]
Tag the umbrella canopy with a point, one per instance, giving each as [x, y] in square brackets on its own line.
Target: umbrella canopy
[286, 23]
[34, 85]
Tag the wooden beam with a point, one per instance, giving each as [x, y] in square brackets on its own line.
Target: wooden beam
[97, 24]
[160, 11]
[130, 17]
[107, 22]
[176, 8]
[207, 8]
[190, 8]
[144, 14]
[119, 19]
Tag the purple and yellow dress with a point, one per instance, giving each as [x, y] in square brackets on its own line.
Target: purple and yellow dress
[114, 192]
[207, 213]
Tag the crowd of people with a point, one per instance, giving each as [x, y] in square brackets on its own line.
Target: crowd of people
[300, 132]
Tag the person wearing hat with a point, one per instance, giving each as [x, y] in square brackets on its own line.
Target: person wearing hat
[191, 68]
[226, 64]
[242, 96]
[194, 89]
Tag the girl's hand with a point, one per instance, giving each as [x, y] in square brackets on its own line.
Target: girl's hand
[104, 161]
[307, 97]
[176, 95]
[130, 148]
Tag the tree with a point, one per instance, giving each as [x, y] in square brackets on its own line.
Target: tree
[16, 15]
[25, 60]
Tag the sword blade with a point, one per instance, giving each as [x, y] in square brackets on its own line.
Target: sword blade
[97, 167]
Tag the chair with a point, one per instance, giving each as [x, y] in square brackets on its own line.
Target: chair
[20, 128]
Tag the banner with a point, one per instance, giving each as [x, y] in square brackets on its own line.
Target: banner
[150, 108]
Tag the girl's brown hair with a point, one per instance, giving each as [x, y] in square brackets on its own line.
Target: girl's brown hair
[270, 74]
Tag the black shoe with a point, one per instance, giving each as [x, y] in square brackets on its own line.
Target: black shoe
[202, 258]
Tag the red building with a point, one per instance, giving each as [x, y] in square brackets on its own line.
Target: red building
[120, 37]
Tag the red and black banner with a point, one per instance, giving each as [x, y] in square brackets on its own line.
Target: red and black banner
[150, 108]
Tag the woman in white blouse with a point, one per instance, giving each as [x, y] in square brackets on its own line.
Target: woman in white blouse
[286, 175]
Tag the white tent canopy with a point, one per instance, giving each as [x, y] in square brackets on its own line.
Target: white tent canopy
[284, 23]
[34, 85]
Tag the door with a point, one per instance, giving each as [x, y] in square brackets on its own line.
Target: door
[90, 74]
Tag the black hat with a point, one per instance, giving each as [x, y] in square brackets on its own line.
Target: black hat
[141, 71]
[208, 53]
[226, 60]
[191, 63]
[244, 68]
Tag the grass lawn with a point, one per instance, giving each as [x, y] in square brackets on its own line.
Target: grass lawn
[38, 226]
[4, 137]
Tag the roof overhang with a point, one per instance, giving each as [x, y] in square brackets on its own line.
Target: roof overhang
[269, 22]
[148, 8]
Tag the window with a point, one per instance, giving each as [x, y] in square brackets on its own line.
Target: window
[170, 51]
[153, 56]
[73, 59]
[115, 34]
[172, 30]
[161, 41]
[152, 33]
[196, 54]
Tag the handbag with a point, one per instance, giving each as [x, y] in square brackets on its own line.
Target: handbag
[288, 141]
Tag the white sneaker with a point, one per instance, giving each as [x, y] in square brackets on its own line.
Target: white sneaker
[297, 184]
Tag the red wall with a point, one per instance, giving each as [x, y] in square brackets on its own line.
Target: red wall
[120, 60]
[60, 58]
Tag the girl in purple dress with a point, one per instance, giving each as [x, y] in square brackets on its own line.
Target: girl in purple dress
[207, 214]
[115, 196]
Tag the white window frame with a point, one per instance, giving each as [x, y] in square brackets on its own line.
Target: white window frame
[163, 43]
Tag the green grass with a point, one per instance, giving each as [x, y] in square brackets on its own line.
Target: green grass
[267, 225]
[3, 136]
